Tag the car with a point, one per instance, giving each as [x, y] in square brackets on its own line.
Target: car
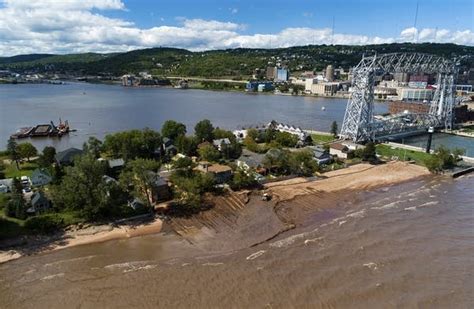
[25, 181]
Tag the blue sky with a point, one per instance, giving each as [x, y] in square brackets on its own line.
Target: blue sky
[65, 26]
[368, 17]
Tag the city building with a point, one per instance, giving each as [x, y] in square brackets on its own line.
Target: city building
[255, 86]
[271, 73]
[324, 89]
[415, 94]
[398, 107]
[329, 73]
[129, 80]
[282, 75]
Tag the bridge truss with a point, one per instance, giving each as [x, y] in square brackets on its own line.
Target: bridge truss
[359, 124]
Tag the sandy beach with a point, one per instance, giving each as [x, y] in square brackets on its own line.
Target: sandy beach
[88, 235]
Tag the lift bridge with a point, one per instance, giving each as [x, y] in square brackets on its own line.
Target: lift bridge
[359, 124]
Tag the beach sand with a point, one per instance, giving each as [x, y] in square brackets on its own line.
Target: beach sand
[88, 235]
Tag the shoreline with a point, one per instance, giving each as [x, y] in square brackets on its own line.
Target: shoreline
[360, 177]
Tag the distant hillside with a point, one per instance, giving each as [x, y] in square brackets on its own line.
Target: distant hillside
[234, 63]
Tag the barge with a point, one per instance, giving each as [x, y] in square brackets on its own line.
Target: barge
[43, 130]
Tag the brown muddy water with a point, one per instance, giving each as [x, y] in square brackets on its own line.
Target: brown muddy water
[403, 246]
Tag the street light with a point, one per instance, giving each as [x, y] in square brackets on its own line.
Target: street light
[430, 137]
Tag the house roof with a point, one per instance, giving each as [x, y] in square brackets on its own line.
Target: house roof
[220, 141]
[252, 159]
[37, 197]
[218, 168]
[338, 146]
[39, 172]
[204, 144]
[158, 181]
[67, 155]
[113, 163]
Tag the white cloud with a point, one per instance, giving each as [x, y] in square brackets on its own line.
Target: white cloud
[53, 26]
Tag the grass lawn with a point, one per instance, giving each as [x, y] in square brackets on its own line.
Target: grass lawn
[26, 169]
[322, 138]
[402, 154]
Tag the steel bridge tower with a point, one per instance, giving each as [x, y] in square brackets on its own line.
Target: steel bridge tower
[359, 124]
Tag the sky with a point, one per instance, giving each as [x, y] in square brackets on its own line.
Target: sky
[76, 26]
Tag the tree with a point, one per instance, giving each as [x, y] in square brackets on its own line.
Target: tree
[93, 146]
[2, 170]
[27, 150]
[302, 163]
[277, 160]
[172, 129]
[12, 148]
[209, 153]
[269, 135]
[16, 206]
[133, 144]
[190, 188]
[186, 145]
[204, 130]
[47, 156]
[286, 139]
[221, 133]
[232, 151]
[138, 177]
[243, 179]
[334, 128]
[253, 134]
[83, 188]
[443, 158]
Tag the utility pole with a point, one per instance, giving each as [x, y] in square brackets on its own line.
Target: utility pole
[430, 137]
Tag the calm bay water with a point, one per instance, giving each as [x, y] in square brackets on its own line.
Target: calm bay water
[404, 246]
[95, 110]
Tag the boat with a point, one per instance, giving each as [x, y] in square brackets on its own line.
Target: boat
[43, 130]
[323, 108]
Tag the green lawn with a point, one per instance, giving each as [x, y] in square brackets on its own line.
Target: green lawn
[402, 154]
[26, 169]
[322, 138]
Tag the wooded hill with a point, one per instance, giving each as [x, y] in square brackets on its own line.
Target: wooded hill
[232, 63]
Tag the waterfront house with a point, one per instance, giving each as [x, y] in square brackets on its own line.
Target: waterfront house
[160, 190]
[168, 148]
[39, 204]
[221, 143]
[221, 173]
[251, 161]
[320, 155]
[6, 185]
[339, 150]
[40, 177]
[67, 156]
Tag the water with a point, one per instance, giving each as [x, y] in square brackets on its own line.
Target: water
[404, 246]
[448, 140]
[95, 110]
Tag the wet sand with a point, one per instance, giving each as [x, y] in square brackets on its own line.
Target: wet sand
[77, 237]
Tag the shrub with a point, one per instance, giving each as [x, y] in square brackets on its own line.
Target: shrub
[44, 224]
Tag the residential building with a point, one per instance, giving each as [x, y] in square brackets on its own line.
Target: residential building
[168, 148]
[251, 161]
[320, 155]
[221, 173]
[221, 143]
[40, 177]
[6, 185]
[39, 203]
[271, 73]
[67, 156]
[339, 150]
[302, 135]
[160, 190]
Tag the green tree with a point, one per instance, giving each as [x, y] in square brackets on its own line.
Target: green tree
[138, 178]
[186, 145]
[334, 128]
[27, 150]
[16, 206]
[204, 130]
[221, 133]
[286, 139]
[277, 160]
[83, 188]
[209, 153]
[253, 134]
[232, 151]
[47, 156]
[302, 163]
[12, 148]
[443, 158]
[243, 179]
[2, 170]
[93, 146]
[172, 129]
[133, 144]
[269, 135]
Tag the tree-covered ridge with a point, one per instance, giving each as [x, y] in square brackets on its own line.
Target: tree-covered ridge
[234, 63]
